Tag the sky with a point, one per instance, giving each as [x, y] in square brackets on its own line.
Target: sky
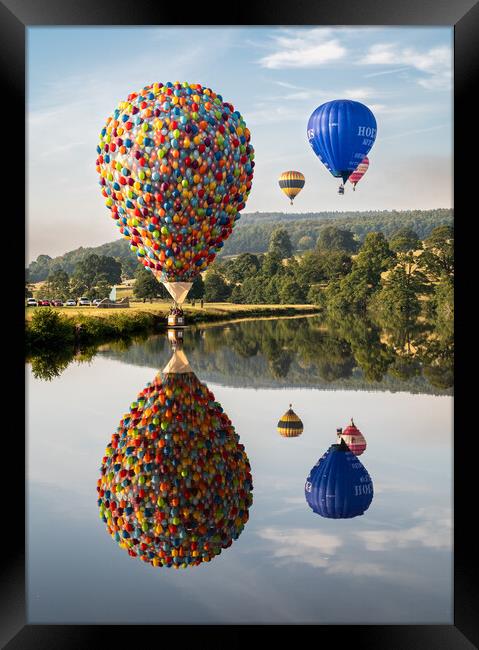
[275, 77]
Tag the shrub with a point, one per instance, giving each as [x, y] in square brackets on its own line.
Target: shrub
[49, 329]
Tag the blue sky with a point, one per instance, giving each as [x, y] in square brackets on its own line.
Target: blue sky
[275, 77]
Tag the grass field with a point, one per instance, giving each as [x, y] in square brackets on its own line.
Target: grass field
[162, 308]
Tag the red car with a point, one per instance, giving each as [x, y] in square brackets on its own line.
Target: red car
[44, 303]
[56, 303]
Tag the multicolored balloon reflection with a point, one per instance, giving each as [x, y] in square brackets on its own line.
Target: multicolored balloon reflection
[175, 485]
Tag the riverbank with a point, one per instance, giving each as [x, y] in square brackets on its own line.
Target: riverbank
[50, 329]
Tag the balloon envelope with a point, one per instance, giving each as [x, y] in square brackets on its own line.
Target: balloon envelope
[341, 133]
[291, 183]
[359, 172]
[339, 486]
[176, 167]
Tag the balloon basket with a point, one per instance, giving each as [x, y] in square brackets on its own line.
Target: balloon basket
[176, 320]
[175, 338]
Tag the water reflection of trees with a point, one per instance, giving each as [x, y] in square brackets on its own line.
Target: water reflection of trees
[353, 352]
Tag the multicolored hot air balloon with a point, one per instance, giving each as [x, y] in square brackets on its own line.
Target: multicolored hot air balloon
[175, 485]
[341, 133]
[359, 172]
[353, 437]
[291, 183]
[339, 486]
[176, 167]
[290, 425]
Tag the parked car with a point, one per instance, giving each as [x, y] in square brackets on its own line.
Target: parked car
[44, 303]
[31, 302]
[70, 303]
[84, 302]
[96, 301]
[57, 303]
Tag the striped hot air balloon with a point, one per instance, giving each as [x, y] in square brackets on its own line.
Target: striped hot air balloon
[359, 172]
[290, 425]
[353, 437]
[291, 183]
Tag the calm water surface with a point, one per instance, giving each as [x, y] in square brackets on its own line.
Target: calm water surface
[391, 565]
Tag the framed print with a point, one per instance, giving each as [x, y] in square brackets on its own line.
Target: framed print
[242, 408]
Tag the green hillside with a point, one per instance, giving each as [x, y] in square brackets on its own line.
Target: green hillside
[253, 231]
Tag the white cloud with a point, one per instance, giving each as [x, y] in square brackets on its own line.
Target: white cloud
[438, 127]
[318, 550]
[265, 114]
[380, 74]
[296, 542]
[304, 49]
[434, 531]
[285, 84]
[360, 93]
[435, 63]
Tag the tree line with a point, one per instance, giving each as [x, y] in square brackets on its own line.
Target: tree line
[390, 277]
[253, 231]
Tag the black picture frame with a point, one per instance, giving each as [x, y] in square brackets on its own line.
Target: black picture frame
[15, 17]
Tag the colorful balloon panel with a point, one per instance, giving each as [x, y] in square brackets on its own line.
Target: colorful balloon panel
[176, 167]
[339, 486]
[341, 133]
[359, 172]
[291, 183]
[175, 485]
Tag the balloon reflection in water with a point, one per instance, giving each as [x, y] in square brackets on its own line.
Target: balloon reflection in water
[175, 484]
[290, 425]
[339, 486]
[353, 437]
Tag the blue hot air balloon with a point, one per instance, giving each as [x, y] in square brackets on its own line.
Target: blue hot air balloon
[341, 133]
[339, 486]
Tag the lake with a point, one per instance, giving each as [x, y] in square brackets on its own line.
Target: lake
[392, 564]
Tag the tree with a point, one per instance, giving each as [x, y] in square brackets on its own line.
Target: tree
[252, 290]
[129, 265]
[102, 289]
[39, 269]
[28, 291]
[89, 269]
[374, 257]
[351, 293]
[443, 302]
[242, 267]
[332, 238]
[147, 286]
[271, 264]
[291, 293]
[270, 291]
[399, 297]
[334, 264]
[57, 285]
[404, 240]
[310, 270]
[280, 243]
[305, 243]
[438, 256]
[110, 268]
[216, 288]
[197, 290]
[236, 296]
[315, 295]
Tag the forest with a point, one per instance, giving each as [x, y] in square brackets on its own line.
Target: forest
[253, 231]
